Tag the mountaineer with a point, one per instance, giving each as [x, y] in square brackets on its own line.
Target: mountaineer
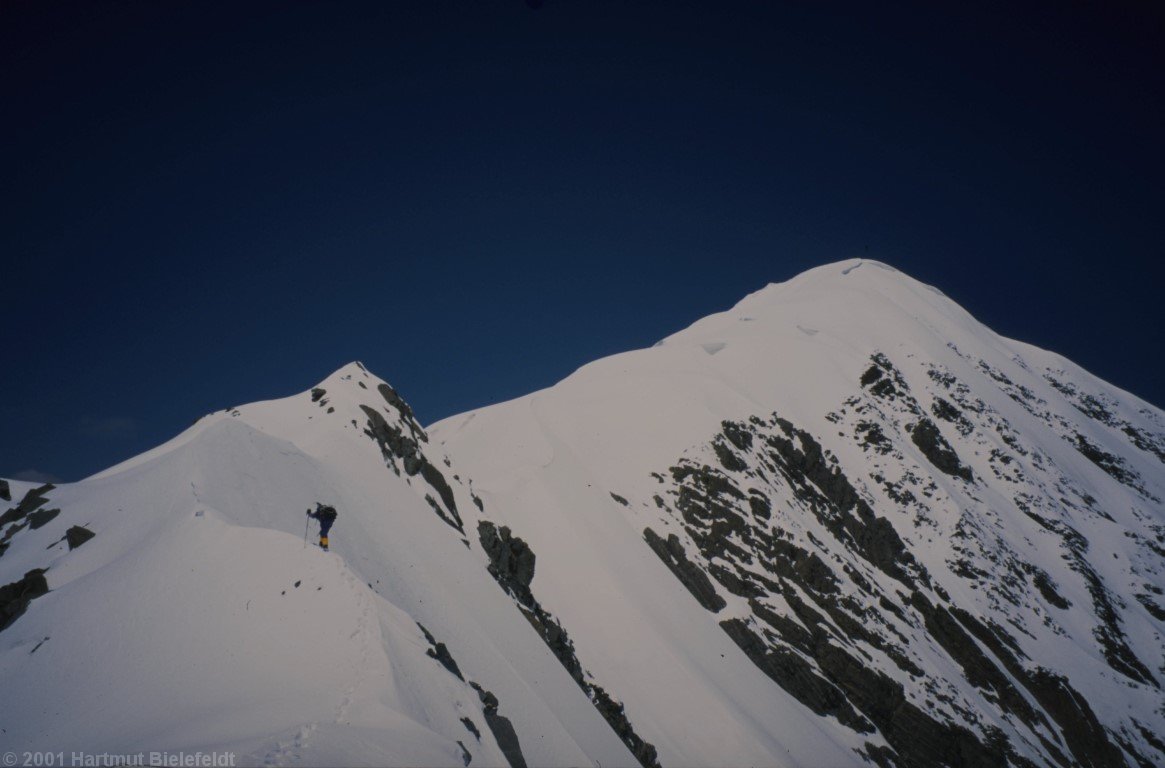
[326, 515]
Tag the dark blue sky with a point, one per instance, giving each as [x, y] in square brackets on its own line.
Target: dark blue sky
[205, 205]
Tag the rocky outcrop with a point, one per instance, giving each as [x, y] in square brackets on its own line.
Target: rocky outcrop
[938, 451]
[501, 728]
[33, 499]
[15, 597]
[28, 513]
[78, 535]
[612, 712]
[396, 445]
[499, 725]
[440, 653]
[511, 562]
[819, 627]
[671, 552]
[794, 674]
[512, 566]
[41, 517]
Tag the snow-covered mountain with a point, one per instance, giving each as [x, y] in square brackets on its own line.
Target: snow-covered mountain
[202, 617]
[842, 523]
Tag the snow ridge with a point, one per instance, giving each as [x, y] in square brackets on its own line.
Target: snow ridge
[840, 523]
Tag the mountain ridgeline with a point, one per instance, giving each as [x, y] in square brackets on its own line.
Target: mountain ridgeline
[841, 523]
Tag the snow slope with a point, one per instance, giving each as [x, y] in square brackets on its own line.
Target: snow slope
[842, 523]
[944, 545]
[197, 619]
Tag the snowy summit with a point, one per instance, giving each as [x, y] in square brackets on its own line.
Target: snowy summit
[841, 523]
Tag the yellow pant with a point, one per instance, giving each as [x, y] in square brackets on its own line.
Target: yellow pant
[323, 541]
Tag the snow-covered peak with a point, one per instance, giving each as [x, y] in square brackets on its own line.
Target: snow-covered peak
[849, 449]
[859, 301]
[841, 522]
[193, 568]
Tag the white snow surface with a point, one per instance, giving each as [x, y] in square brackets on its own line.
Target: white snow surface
[549, 462]
[198, 619]
[180, 625]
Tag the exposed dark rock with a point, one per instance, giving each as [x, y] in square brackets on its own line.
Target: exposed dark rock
[78, 535]
[1047, 588]
[1109, 633]
[937, 450]
[1145, 441]
[487, 698]
[469, 726]
[619, 499]
[317, 394]
[814, 573]
[708, 501]
[671, 552]
[728, 459]
[1085, 736]
[396, 401]
[884, 381]
[437, 481]
[557, 640]
[979, 670]
[942, 377]
[1113, 465]
[15, 597]
[1155, 740]
[737, 434]
[947, 412]
[5, 492]
[612, 712]
[512, 566]
[919, 739]
[506, 737]
[441, 653]
[706, 480]
[1019, 393]
[883, 757]
[873, 438]
[440, 512]
[1156, 611]
[844, 512]
[501, 728]
[33, 499]
[796, 676]
[466, 758]
[759, 505]
[820, 648]
[394, 444]
[789, 630]
[511, 561]
[1092, 407]
[735, 580]
[41, 517]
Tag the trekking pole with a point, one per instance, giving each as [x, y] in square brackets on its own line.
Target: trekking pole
[306, 525]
